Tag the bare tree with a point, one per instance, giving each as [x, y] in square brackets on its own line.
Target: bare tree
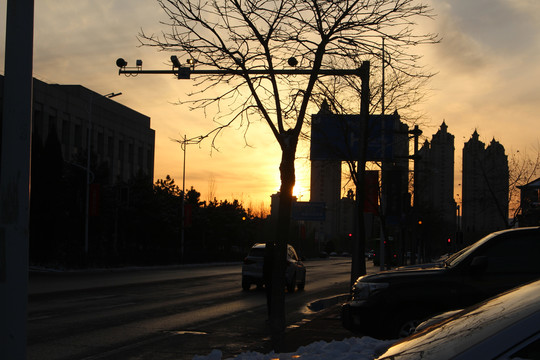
[523, 168]
[211, 189]
[247, 35]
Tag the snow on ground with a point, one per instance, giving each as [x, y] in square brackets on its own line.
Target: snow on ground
[352, 348]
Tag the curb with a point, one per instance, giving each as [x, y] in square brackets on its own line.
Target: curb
[325, 326]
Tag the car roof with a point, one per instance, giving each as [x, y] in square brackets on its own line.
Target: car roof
[263, 246]
[458, 334]
[464, 253]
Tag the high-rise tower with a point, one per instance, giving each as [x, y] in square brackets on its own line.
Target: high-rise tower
[485, 188]
[434, 198]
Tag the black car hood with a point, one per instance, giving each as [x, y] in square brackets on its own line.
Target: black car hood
[434, 265]
[434, 269]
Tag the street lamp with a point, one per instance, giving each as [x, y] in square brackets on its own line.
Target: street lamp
[183, 144]
[88, 171]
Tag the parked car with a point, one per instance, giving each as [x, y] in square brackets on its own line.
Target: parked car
[391, 303]
[435, 320]
[252, 269]
[504, 327]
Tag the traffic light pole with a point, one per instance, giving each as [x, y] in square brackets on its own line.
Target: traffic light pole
[184, 72]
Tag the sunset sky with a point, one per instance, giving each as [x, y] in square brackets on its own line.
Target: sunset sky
[487, 65]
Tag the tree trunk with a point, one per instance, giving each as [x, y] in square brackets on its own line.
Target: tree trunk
[277, 309]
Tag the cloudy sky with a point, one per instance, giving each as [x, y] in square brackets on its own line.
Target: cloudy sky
[487, 65]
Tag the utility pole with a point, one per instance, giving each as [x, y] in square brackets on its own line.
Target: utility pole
[382, 237]
[183, 144]
[183, 203]
[416, 132]
[358, 263]
[185, 72]
[15, 178]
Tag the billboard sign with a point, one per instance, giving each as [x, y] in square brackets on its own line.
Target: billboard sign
[338, 137]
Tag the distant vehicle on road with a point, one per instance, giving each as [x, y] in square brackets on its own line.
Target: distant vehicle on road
[390, 304]
[391, 258]
[370, 254]
[504, 327]
[252, 269]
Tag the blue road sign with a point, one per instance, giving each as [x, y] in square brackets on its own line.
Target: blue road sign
[338, 137]
[309, 211]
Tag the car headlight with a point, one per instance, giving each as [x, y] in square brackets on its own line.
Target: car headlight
[363, 290]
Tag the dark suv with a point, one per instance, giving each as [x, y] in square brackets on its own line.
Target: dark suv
[391, 303]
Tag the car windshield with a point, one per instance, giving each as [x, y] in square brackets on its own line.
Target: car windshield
[450, 260]
[458, 257]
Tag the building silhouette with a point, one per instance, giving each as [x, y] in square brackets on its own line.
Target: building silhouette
[530, 204]
[437, 224]
[119, 136]
[434, 190]
[326, 187]
[72, 207]
[484, 188]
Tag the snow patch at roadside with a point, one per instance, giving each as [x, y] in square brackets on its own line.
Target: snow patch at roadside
[363, 348]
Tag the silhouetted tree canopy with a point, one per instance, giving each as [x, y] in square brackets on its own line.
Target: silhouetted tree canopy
[242, 36]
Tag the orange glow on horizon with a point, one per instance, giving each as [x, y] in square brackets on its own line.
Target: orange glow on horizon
[301, 192]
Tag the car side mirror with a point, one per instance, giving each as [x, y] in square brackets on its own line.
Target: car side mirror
[478, 264]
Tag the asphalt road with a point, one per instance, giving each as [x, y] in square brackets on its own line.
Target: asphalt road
[159, 314]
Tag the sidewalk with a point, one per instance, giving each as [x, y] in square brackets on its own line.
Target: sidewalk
[325, 326]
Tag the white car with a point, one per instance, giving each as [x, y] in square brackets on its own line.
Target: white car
[252, 269]
[504, 327]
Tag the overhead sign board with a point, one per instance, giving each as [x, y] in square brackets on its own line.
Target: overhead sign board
[309, 211]
[339, 137]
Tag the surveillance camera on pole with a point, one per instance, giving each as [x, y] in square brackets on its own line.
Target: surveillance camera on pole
[183, 72]
[175, 61]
